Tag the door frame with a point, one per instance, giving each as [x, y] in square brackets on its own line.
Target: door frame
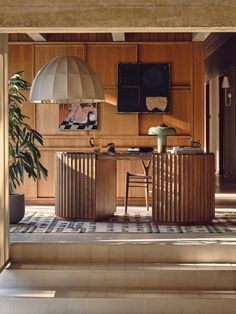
[213, 111]
[4, 186]
[221, 125]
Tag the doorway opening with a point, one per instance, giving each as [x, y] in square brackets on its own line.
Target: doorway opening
[124, 129]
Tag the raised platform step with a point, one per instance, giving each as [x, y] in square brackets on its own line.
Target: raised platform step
[142, 276]
[118, 302]
[128, 275]
[137, 250]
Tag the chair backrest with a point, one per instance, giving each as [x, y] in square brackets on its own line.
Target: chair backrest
[146, 166]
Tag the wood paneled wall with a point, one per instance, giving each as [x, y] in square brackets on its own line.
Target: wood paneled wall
[186, 96]
[103, 37]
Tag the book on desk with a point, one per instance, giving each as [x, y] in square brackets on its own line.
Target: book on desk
[141, 149]
[189, 150]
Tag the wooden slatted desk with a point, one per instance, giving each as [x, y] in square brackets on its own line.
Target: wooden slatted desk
[183, 186]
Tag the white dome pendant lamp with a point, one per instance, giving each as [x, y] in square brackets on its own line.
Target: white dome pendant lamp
[66, 79]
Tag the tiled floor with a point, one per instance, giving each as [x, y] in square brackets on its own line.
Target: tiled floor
[103, 273]
[173, 279]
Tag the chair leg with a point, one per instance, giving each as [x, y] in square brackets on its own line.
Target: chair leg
[126, 192]
[146, 170]
[146, 194]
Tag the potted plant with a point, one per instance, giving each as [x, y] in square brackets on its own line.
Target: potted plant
[24, 155]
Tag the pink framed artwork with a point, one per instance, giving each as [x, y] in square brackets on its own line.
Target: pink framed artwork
[78, 116]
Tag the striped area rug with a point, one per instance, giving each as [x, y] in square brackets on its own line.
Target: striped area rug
[44, 222]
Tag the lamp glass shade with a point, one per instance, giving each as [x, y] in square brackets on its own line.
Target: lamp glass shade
[66, 79]
[225, 83]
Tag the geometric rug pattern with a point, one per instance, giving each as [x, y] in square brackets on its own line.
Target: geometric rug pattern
[44, 222]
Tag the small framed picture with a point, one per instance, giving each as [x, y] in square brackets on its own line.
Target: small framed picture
[78, 116]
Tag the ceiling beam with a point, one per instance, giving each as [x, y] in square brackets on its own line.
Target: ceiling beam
[200, 36]
[73, 16]
[36, 36]
[118, 36]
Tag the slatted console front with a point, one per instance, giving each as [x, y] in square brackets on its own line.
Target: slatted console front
[183, 188]
[85, 186]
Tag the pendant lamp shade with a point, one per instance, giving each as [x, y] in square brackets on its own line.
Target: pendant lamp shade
[66, 79]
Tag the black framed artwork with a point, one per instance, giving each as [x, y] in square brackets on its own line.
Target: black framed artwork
[143, 87]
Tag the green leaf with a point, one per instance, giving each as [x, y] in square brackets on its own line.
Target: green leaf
[24, 155]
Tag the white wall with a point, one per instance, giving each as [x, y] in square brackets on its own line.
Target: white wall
[214, 140]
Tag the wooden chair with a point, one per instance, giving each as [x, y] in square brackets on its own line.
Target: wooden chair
[138, 181]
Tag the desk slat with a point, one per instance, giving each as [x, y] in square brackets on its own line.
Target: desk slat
[75, 186]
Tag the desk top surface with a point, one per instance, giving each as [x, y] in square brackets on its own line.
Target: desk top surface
[125, 155]
[128, 155]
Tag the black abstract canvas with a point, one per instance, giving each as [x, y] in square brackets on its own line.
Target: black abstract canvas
[143, 87]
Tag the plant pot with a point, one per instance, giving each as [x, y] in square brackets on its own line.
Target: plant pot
[17, 207]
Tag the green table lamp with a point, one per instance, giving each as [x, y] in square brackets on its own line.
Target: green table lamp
[162, 131]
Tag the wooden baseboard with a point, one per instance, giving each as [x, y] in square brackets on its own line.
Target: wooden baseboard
[139, 201]
[133, 201]
[225, 202]
[40, 201]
